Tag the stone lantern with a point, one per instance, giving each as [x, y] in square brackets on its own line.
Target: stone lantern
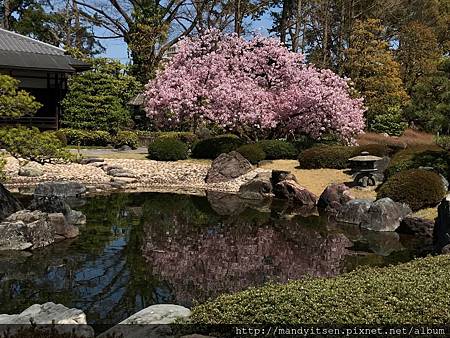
[362, 168]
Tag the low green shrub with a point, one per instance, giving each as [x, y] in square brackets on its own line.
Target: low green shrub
[125, 138]
[401, 294]
[252, 152]
[31, 144]
[334, 157]
[167, 149]
[184, 136]
[415, 187]
[278, 149]
[413, 158]
[77, 137]
[212, 147]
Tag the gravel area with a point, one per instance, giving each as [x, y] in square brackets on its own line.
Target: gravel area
[145, 175]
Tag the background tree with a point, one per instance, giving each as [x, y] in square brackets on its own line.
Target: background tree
[375, 73]
[97, 99]
[430, 104]
[418, 54]
[255, 88]
[149, 27]
[57, 22]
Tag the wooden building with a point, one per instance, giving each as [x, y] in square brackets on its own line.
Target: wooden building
[42, 70]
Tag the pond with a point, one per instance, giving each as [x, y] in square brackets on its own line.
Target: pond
[149, 248]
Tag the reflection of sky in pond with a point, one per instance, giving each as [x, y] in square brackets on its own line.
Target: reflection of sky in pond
[142, 249]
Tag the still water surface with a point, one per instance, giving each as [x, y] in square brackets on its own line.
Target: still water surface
[148, 248]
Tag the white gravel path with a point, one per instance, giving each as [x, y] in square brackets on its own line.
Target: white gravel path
[182, 176]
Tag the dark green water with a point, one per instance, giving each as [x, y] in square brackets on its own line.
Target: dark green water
[148, 248]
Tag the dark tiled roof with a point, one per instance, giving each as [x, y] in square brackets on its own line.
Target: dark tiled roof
[21, 52]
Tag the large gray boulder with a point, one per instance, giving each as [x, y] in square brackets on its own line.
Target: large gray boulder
[292, 191]
[50, 313]
[31, 169]
[258, 188]
[227, 167]
[385, 215]
[60, 189]
[34, 229]
[56, 204]
[416, 226]
[149, 322]
[354, 211]
[8, 203]
[33, 226]
[12, 236]
[334, 197]
[62, 227]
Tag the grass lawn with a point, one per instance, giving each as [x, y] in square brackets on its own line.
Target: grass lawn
[410, 293]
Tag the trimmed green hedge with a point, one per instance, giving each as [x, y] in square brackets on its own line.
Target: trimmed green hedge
[167, 149]
[252, 152]
[415, 187]
[125, 138]
[77, 137]
[413, 158]
[410, 293]
[278, 149]
[336, 157]
[212, 147]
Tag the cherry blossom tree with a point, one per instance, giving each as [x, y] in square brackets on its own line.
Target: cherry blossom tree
[254, 88]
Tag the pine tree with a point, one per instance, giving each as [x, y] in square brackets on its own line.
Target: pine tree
[97, 99]
[374, 71]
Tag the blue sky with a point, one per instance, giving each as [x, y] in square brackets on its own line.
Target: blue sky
[117, 48]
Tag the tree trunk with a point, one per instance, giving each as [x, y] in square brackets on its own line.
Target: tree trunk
[237, 17]
[6, 15]
[284, 21]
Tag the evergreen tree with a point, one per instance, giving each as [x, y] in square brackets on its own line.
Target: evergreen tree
[15, 103]
[430, 105]
[419, 53]
[97, 99]
[374, 72]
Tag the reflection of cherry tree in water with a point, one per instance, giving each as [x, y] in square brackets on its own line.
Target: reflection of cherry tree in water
[203, 255]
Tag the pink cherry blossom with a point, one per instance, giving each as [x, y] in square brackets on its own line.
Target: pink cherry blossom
[254, 88]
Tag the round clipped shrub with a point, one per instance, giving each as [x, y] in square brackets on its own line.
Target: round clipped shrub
[278, 149]
[417, 188]
[126, 138]
[333, 157]
[212, 147]
[252, 152]
[167, 149]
